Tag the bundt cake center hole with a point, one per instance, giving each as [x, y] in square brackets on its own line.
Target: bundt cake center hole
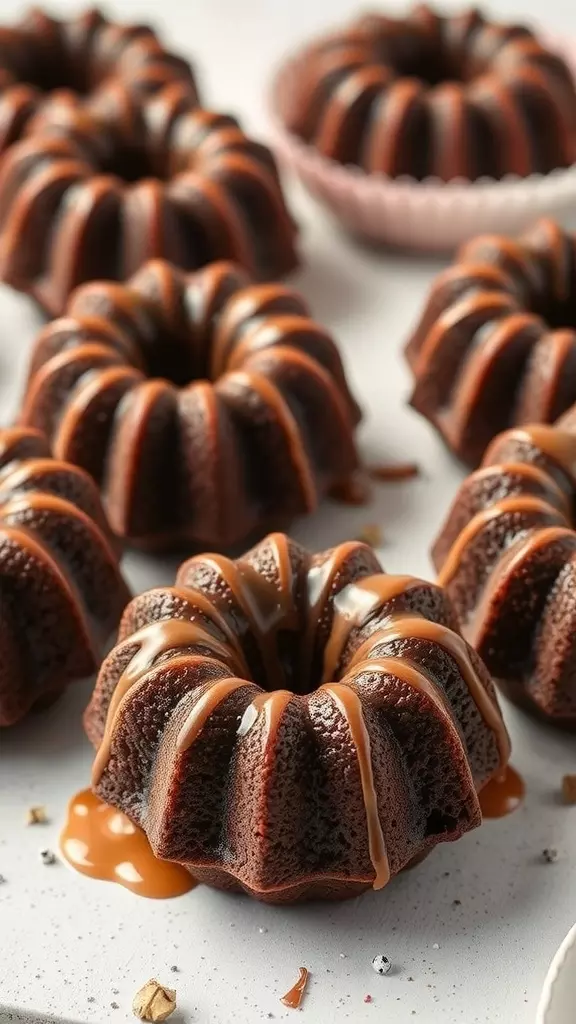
[173, 357]
[131, 163]
[412, 55]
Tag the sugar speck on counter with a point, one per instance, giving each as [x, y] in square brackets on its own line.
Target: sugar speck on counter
[262, 930]
[435, 945]
[381, 964]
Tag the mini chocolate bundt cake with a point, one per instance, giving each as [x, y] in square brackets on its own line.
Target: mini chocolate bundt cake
[428, 95]
[61, 592]
[507, 559]
[117, 164]
[294, 726]
[206, 407]
[496, 344]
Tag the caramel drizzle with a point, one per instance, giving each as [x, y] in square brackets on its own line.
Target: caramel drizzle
[559, 445]
[293, 997]
[267, 607]
[508, 506]
[523, 548]
[531, 473]
[353, 606]
[350, 707]
[273, 705]
[413, 677]
[153, 640]
[204, 707]
[415, 627]
[270, 395]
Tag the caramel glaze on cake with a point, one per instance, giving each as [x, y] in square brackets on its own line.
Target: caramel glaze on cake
[496, 344]
[295, 726]
[451, 97]
[205, 406]
[117, 163]
[507, 559]
[61, 592]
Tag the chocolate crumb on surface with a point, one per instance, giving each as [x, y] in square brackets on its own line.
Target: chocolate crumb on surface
[549, 855]
[393, 472]
[569, 789]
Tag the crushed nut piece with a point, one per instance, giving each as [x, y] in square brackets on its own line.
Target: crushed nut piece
[372, 535]
[36, 815]
[47, 857]
[154, 1002]
[549, 855]
[569, 789]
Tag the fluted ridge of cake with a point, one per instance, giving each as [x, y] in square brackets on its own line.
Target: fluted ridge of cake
[507, 558]
[61, 591]
[495, 346]
[205, 406]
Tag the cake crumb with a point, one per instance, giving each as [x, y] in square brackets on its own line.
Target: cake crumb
[394, 471]
[569, 789]
[456, 903]
[36, 815]
[372, 535]
[91, 999]
[115, 1006]
[154, 1002]
[549, 855]
[47, 857]
[368, 998]
[3, 879]
[174, 968]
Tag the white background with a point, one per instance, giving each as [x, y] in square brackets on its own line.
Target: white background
[64, 938]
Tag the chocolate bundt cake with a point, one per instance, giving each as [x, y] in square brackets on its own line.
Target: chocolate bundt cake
[507, 559]
[118, 164]
[61, 592]
[295, 726]
[496, 344]
[452, 97]
[205, 406]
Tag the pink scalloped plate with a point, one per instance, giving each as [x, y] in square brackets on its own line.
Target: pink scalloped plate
[430, 215]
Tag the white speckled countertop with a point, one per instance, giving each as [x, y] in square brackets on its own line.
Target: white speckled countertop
[72, 947]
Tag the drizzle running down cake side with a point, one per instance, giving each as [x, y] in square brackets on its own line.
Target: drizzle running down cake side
[294, 726]
[112, 162]
[506, 557]
[207, 408]
[457, 97]
[61, 591]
